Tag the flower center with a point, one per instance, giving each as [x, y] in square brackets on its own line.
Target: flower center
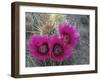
[43, 48]
[57, 49]
[67, 38]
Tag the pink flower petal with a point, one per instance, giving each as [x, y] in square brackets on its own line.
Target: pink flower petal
[71, 32]
[38, 47]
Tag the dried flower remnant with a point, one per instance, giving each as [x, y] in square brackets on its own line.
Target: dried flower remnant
[46, 28]
[46, 24]
[56, 18]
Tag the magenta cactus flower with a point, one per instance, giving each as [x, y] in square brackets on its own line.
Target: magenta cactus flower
[58, 49]
[69, 34]
[55, 47]
[38, 47]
